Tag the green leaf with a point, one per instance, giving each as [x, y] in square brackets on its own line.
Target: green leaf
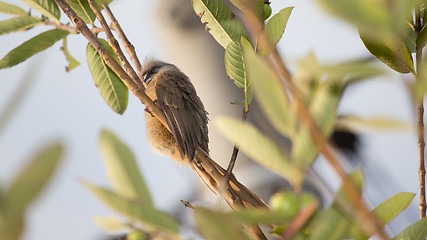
[136, 235]
[260, 216]
[417, 231]
[138, 212]
[390, 208]
[100, 2]
[220, 21]
[236, 70]
[409, 37]
[83, 10]
[31, 47]
[422, 37]
[72, 62]
[18, 24]
[260, 148]
[30, 182]
[322, 95]
[217, 225]
[420, 86]
[46, 7]
[270, 94]
[112, 89]
[370, 14]
[385, 212]
[122, 169]
[11, 9]
[328, 224]
[275, 27]
[352, 71]
[359, 124]
[389, 49]
[109, 224]
[253, 9]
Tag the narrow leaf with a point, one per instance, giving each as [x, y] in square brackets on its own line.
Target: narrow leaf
[219, 21]
[385, 212]
[420, 86]
[122, 169]
[260, 148]
[377, 123]
[112, 89]
[270, 93]
[236, 70]
[389, 49]
[217, 225]
[390, 208]
[83, 10]
[109, 224]
[364, 13]
[11, 9]
[30, 182]
[138, 212]
[260, 216]
[422, 37]
[72, 62]
[46, 7]
[31, 47]
[417, 231]
[329, 224]
[18, 24]
[275, 27]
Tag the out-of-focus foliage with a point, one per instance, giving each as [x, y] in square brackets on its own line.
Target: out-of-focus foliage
[24, 189]
[386, 29]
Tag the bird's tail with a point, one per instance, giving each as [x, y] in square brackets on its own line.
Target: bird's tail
[213, 175]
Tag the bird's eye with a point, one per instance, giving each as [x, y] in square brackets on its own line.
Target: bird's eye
[148, 75]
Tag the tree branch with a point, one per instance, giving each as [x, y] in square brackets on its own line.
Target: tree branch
[130, 49]
[420, 122]
[115, 44]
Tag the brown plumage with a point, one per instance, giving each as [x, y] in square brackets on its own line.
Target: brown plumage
[185, 114]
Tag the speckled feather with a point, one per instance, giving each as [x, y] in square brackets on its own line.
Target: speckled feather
[183, 109]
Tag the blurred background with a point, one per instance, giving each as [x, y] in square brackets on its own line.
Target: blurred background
[67, 107]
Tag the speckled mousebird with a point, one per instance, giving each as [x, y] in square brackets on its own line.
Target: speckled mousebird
[184, 112]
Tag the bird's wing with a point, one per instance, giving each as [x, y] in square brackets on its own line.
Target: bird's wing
[184, 112]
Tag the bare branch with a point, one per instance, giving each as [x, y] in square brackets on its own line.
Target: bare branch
[420, 123]
[130, 49]
[47, 22]
[115, 44]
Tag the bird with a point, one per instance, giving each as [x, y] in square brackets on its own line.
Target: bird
[171, 90]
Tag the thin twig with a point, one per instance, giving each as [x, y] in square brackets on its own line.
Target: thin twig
[420, 123]
[255, 29]
[47, 22]
[115, 44]
[300, 220]
[187, 204]
[130, 49]
[235, 151]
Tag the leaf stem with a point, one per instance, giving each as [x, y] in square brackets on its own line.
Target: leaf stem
[235, 151]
